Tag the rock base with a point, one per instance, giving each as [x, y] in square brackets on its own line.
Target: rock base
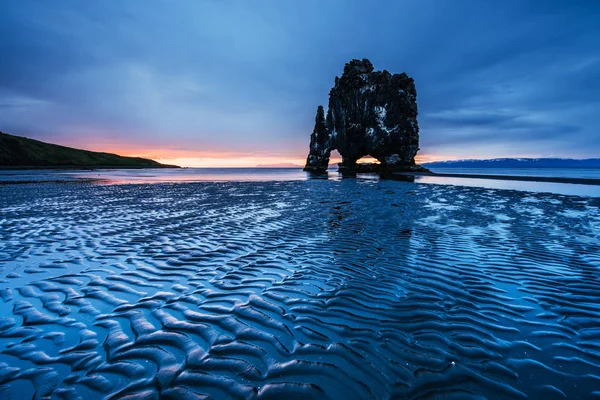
[362, 168]
[315, 169]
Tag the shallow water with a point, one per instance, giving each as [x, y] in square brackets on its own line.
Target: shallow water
[572, 189]
[138, 176]
[349, 289]
[591, 173]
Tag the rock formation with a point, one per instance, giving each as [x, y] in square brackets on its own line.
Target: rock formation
[370, 113]
[320, 143]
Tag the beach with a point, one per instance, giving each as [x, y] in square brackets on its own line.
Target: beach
[349, 288]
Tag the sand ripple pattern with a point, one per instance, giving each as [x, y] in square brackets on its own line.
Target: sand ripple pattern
[312, 289]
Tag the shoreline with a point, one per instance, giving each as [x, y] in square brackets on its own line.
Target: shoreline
[83, 168]
[63, 181]
[90, 176]
[577, 181]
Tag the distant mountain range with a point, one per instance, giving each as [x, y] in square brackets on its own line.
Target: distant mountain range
[517, 163]
[280, 165]
[17, 152]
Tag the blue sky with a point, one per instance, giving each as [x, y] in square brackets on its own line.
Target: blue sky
[231, 80]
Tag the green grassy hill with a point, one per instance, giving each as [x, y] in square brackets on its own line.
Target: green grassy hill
[17, 151]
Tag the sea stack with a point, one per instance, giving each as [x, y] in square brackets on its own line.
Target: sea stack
[370, 113]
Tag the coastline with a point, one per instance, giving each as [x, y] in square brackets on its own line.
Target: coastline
[578, 185]
[83, 168]
[57, 181]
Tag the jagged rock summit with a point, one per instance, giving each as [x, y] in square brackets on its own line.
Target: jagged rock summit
[370, 113]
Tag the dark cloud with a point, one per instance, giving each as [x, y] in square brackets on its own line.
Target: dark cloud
[491, 76]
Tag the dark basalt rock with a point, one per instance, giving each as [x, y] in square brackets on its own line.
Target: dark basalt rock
[370, 113]
[320, 144]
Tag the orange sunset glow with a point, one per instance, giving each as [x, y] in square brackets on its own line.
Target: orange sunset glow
[228, 160]
[220, 159]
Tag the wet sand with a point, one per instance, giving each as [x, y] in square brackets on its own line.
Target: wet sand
[349, 289]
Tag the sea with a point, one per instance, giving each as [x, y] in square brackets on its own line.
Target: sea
[277, 284]
[140, 176]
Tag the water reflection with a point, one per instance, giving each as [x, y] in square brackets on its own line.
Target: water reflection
[539, 187]
[139, 176]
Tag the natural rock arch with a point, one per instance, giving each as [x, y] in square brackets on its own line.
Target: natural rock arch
[370, 113]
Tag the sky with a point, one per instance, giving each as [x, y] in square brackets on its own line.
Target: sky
[237, 83]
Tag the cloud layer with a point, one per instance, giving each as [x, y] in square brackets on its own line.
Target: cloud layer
[493, 78]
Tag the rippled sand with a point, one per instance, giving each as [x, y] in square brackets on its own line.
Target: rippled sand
[307, 289]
